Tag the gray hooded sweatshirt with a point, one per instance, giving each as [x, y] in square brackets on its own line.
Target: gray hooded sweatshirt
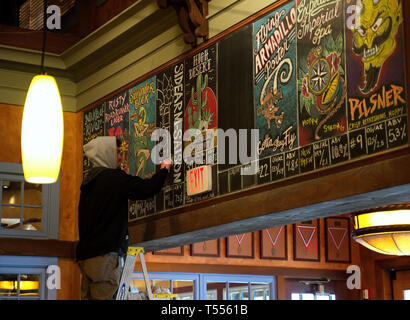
[102, 152]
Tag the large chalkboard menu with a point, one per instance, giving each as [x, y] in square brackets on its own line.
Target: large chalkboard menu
[320, 82]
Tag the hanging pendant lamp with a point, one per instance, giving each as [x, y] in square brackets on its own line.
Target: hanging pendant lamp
[42, 131]
[385, 230]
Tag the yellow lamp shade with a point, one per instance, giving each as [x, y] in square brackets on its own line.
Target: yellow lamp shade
[42, 131]
[386, 232]
[397, 244]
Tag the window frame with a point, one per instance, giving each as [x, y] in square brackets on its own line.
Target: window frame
[200, 281]
[50, 205]
[30, 265]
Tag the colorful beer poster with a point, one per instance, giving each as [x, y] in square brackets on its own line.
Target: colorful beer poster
[93, 126]
[117, 124]
[321, 70]
[170, 115]
[201, 110]
[142, 99]
[93, 123]
[142, 125]
[375, 60]
[274, 47]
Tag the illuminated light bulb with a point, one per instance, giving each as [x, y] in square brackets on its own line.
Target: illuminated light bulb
[42, 131]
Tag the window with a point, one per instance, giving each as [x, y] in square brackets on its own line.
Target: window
[25, 278]
[204, 286]
[27, 210]
[406, 294]
[239, 287]
[313, 296]
[185, 285]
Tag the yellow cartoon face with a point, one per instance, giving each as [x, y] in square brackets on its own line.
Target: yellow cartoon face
[374, 35]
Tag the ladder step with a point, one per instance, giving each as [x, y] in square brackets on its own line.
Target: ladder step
[134, 251]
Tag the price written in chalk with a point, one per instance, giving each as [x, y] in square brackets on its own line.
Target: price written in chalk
[357, 142]
[264, 174]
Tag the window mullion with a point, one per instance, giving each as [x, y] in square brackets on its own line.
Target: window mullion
[18, 285]
[21, 204]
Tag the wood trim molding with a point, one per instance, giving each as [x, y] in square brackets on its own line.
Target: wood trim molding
[218, 37]
[36, 247]
[305, 273]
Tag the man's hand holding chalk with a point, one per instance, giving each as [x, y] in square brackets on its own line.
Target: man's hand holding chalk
[166, 164]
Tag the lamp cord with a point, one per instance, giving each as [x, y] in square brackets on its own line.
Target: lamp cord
[44, 36]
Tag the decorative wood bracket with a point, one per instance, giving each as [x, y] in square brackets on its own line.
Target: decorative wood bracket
[191, 17]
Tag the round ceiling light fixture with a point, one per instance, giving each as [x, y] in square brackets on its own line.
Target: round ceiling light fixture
[385, 230]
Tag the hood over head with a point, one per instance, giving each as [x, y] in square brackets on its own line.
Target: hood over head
[102, 152]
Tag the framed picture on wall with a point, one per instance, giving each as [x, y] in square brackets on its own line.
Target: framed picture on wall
[208, 248]
[240, 246]
[306, 241]
[177, 251]
[337, 240]
[273, 243]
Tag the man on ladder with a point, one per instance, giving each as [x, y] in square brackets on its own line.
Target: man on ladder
[103, 216]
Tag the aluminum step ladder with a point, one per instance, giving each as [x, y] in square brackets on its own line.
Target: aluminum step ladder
[129, 265]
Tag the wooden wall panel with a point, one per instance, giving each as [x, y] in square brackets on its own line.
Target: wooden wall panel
[10, 151]
[10, 133]
[286, 267]
[70, 280]
[71, 177]
[71, 166]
